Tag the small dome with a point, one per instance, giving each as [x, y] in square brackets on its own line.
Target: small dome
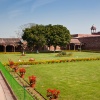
[93, 28]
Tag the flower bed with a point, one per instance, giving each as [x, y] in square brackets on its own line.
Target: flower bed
[11, 63]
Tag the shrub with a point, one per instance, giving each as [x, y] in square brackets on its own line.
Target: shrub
[63, 53]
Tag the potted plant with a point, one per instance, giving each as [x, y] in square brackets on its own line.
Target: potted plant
[22, 72]
[15, 68]
[52, 94]
[11, 63]
[32, 80]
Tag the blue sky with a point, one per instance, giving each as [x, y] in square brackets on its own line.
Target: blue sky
[77, 15]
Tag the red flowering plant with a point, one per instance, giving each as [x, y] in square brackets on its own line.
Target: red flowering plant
[16, 68]
[53, 94]
[32, 80]
[11, 63]
[22, 72]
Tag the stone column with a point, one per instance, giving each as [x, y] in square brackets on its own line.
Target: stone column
[14, 48]
[74, 46]
[69, 46]
[4, 48]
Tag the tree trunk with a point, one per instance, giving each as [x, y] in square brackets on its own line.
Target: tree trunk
[54, 49]
[23, 53]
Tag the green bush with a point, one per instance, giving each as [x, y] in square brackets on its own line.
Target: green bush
[63, 53]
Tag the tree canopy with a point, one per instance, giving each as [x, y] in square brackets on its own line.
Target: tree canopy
[40, 35]
[57, 35]
[35, 36]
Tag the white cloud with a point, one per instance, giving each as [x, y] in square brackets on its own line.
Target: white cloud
[17, 8]
[24, 1]
[39, 3]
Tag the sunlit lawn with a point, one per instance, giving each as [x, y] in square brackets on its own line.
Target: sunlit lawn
[75, 80]
[44, 56]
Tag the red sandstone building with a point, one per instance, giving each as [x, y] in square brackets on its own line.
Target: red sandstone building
[10, 45]
[86, 41]
[82, 41]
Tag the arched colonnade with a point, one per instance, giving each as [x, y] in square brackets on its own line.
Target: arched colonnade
[10, 48]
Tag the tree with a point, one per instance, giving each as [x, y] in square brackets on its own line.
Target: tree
[48, 31]
[57, 35]
[40, 35]
[23, 27]
[23, 45]
[35, 36]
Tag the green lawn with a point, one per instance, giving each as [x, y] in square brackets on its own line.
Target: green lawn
[44, 56]
[75, 80]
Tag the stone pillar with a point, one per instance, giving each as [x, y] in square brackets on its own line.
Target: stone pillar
[4, 48]
[80, 47]
[74, 46]
[69, 46]
[14, 48]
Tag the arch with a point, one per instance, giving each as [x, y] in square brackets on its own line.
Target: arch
[9, 48]
[1, 48]
[93, 29]
[18, 48]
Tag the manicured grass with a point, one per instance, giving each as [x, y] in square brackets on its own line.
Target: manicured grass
[44, 56]
[18, 90]
[75, 80]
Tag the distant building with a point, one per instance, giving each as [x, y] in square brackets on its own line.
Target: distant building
[10, 45]
[85, 41]
[78, 41]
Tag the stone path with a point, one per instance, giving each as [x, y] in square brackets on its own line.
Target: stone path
[2, 94]
[5, 93]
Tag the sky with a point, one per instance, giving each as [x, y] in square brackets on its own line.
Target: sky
[76, 15]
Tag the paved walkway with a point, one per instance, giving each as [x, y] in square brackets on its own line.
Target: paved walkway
[2, 95]
[5, 93]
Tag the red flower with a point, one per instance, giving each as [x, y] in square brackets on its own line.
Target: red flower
[53, 93]
[22, 70]
[32, 80]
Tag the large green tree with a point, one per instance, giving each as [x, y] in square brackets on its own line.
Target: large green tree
[40, 35]
[35, 36]
[57, 35]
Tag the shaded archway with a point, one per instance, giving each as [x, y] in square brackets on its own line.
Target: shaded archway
[1, 48]
[18, 48]
[9, 48]
[75, 44]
